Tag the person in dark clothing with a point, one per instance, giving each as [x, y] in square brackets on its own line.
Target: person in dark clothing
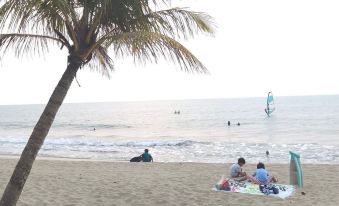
[147, 157]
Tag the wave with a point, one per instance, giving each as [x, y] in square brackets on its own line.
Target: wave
[135, 143]
[64, 126]
[16, 125]
[91, 126]
[173, 150]
[104, 143]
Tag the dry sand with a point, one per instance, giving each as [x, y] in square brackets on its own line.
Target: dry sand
[56, 182]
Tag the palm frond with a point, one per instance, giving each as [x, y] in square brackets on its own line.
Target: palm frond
[149, 47]
[175, 22]
[58, 15]
[89, 28]
[101, 62]
[39, 16]
[122, 12]
[25, 43]
[16, 12]
[55, 14]
[178, 22]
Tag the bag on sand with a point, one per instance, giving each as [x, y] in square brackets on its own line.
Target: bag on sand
[223, 184]
[136, 159]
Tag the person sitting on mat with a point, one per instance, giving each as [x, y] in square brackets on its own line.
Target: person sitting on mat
[261, 176]
[236, 170]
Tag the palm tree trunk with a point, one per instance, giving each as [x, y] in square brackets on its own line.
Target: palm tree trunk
[40, 131]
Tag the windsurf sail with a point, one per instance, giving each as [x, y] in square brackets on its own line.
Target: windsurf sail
[270, 104]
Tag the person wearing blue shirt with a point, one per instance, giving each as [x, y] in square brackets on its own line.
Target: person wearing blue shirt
[261, 176]
[147, 157]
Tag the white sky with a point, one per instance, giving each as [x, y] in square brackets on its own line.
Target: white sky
[290, 47]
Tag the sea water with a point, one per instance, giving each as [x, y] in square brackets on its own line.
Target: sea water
[118, 131]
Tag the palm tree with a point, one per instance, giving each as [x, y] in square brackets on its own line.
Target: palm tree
[89, 30]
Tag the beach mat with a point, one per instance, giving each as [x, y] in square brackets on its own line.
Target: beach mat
[251, 188]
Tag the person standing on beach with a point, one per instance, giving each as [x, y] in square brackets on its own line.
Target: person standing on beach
[147, 157]
[236, 170]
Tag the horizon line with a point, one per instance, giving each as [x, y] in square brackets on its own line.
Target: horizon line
[157, 100]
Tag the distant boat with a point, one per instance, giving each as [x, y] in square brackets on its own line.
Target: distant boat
[270, 104]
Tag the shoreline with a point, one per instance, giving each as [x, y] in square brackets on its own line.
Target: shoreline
[58, 182]
[127, 161]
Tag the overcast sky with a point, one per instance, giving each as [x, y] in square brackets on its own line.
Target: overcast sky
[290, 47]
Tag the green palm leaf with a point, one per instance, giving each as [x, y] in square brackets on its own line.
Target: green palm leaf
[84, 25]
[25, 44]
[101, 62]
[150, 46]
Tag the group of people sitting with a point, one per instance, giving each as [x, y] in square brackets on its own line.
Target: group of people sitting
[260, 176]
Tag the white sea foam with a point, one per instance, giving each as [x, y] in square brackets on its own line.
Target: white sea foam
[175, 151]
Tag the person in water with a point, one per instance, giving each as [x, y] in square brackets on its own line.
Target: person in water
[229, 123]
[238, 124]
[147, 157]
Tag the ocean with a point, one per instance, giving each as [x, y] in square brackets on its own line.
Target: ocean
[118, 131]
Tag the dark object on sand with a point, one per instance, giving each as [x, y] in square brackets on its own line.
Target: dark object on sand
[303, 193]
[268, 189]
[225, 186]
[136, 159]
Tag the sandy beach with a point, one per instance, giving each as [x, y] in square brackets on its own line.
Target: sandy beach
[59, 182]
